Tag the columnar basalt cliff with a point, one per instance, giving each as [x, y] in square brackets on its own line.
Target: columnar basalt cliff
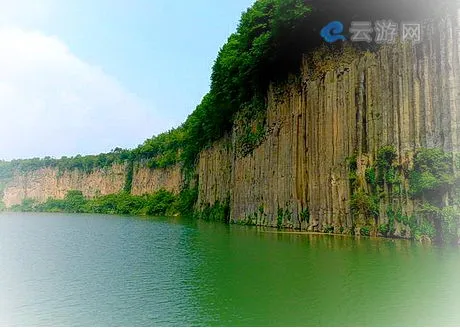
[324, 132]
[214, 172]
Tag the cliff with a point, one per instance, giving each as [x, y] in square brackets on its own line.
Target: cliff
[148, 181]
[51, 183]
[341, 108]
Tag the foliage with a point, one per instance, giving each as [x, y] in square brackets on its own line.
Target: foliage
[432, 172]
[371, 176]
[163, 150]
[279, 218]
[364, 204]
[83, 163]
[74, 202]
[353, 177]
[384, 229]
[51, 205]
[283, 216]
[122, 203]
[386, 157]
[391, 226]
[257, 218]
[159, 203]
[304, 216]
[251, 133]
[450, 224]
[27, 205]
[129, 177]
[365, 231]
[352, 163]
[219, 212]
[446, 218]
[186, 200]
[6, 170]
[261, 209]
[425, 229]
[398, 215]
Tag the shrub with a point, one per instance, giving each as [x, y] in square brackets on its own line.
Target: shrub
[364, 204]
[186, 200]
[305, 215]
[159, 203]
[425, 229]
[450, 224]
[279, 218]
[74, 201]
[27, 205]
[432, 172]
[386, 157]
[384, 229]
[371, 176]
[219, 212]
[365, 231]
[129, 177]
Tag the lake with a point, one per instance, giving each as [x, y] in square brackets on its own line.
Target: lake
[96, 270]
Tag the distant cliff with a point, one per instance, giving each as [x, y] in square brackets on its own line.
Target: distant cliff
[51, 183]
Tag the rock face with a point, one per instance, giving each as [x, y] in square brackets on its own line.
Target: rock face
[49, 182]
[214, 172]
[403, 95]
[149, 181]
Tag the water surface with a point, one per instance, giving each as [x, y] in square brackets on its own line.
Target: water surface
[91, 270]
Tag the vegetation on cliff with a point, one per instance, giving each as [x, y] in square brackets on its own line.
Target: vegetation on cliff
[432, 182]
[82, 163]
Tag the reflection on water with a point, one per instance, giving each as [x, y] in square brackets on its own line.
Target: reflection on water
[102, 270]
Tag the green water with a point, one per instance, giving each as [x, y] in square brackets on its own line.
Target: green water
[85, 270]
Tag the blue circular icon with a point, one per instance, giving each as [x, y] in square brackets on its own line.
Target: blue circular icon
[332, 32]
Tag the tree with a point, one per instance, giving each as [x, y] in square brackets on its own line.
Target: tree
[74, 201]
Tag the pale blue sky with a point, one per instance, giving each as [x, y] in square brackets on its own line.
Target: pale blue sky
[72, 62]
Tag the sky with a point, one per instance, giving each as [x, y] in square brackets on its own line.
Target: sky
[86, 76]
